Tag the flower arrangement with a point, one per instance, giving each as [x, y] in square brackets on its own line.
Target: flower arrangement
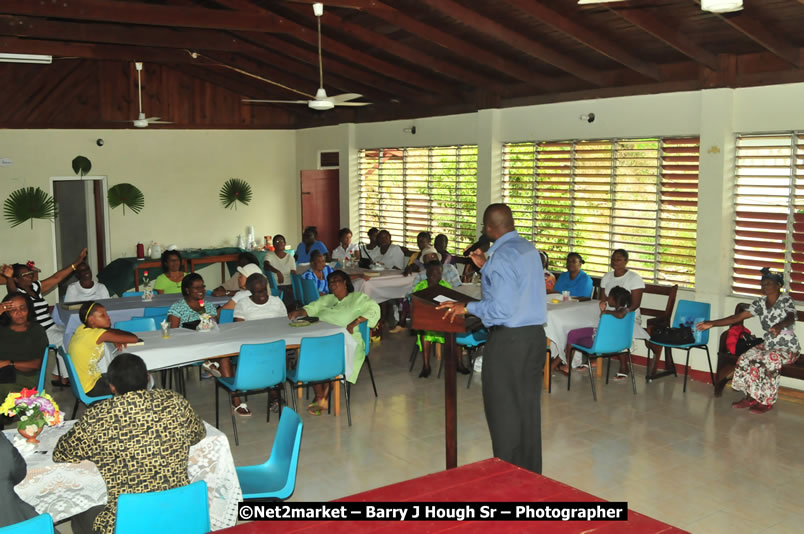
[35, 410]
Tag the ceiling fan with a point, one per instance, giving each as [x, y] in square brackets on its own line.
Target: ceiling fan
[321, 102]
[714, 6]
[141, 121]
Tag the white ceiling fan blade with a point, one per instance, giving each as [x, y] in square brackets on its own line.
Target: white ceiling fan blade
[160, 122]
[352, 103]
[588, 2]
[153, 119]
[344, 97]
[262, 101]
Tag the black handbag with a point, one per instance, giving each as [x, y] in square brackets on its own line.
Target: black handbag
[745, 342]
[681, 335]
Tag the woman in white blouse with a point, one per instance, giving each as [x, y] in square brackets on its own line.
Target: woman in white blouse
[346, 249]
[282, 265]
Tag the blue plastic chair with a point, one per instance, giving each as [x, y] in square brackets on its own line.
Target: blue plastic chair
[137, 324]
[296, 286]
[614, 338]
[226, 316]
[271, 280]
[156, 311]
[321, 360]
[182, 510]
[365, 333]
[40, 386]
[309, 291]
[472, 341]
[132, 293]
[276, 478]
[76, 387]
[260, 367]
[690, 313]
[41, 524]
[278, 293]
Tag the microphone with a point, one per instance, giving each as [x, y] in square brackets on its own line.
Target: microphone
[482, 243]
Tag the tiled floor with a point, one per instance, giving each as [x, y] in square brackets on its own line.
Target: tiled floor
[685, 458]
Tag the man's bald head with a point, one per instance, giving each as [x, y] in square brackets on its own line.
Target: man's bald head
[497, 220]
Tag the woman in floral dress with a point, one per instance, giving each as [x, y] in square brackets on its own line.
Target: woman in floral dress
[758, 370]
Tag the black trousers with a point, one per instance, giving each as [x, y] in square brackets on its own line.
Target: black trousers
[513, 362]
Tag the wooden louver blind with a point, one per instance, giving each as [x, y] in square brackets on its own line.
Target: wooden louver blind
[769, 211]
[409, 190]
[592, 197]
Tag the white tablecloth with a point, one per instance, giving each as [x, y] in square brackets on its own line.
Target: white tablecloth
[119, 309]
[185, 346]
[64, 490]
[388, 285]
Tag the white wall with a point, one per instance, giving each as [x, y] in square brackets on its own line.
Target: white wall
[715, 115]
[180, 173]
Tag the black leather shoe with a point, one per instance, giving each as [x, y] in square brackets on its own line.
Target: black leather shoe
[425, 372]
[464, 370]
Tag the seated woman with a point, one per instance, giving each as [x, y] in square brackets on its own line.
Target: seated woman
[347, 308]
[622, 277]
[243, 274]
[190, 308]
[283, 265]
[232, 285]
[440, 245]
[574, 280]
[346, 249]
[415, 263]
[618, 304]
[318, 272]
[169, 282]
[22, 345]
[549, 278]
[308, 245]
[758, 369]
[87, 347]
[85, 288]
[259, 304]
[368, 251]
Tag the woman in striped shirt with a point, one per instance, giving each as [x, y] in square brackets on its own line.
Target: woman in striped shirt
[24, 278]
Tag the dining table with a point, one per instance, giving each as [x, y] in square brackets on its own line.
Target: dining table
[66, 489]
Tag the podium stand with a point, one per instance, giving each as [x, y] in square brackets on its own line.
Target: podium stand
[425, 316]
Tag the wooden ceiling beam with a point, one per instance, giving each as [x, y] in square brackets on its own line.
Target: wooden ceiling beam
[668, 33]
[146, 14]
[459, 46]
[92, 51]
[589, 37]
[524, 44]
[401, 50]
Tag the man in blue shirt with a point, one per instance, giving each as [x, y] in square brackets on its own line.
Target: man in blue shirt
[514, 310]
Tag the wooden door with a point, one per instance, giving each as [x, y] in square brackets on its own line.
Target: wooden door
[320, 204]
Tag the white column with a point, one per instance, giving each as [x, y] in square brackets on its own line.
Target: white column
[489, 160]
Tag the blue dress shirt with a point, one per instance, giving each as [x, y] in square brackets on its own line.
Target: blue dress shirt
[580, 287]
[303, 255]
[513, 285]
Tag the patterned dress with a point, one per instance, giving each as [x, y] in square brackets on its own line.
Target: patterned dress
[758, 370]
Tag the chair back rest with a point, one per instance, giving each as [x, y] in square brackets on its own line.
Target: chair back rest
[613, 334]
[661, 316]
[156, 311]
[690, 313]
[182, 510]
[473, 338]
[227, 316]
[365, 333]
[260, 365]
[284, 458]
[75, 382]
[271, 280]
[132, 293]
[309, 291]
[137, 324]
[596, 286]
[276, 292]
[41, 524]
[320, 358]
[40, 386]
[295, 281]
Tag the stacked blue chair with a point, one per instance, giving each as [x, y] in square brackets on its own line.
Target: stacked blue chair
[76, 387]
[182, 510]
[276, 478]
[41, 524]
[321, 360]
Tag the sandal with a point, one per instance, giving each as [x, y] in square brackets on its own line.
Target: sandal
[563, 369]
[621, 376]
[313, 409]
[212, 368]
[241, 410]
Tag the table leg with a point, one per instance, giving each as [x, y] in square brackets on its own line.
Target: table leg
[336, 398]
[450, 401]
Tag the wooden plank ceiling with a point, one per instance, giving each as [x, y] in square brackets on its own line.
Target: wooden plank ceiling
[409, 58]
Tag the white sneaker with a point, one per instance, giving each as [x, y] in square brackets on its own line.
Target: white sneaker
[478, 364]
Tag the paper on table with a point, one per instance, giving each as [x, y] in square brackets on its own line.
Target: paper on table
[442, 299]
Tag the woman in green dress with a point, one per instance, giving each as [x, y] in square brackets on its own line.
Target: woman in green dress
[347, 308]
[169, 282]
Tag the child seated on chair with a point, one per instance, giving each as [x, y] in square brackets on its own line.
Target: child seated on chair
[618, 302]
[427, 338]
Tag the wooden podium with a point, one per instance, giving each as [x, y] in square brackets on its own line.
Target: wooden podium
[425, 316]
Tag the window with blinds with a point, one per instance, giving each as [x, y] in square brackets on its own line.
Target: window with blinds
[592, 197]
[769, 210]
[409, 190]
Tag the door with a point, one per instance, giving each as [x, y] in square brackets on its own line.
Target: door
[320, 206]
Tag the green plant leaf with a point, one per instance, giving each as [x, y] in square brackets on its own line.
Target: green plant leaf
[82, 165]
[235, 190]
[28, 203]
[126, 195]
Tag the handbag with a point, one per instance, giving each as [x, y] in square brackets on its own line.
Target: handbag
[681, 335]
[745, 342]
[8, 374]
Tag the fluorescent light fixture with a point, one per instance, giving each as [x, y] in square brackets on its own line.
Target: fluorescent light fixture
[721, 6]
[589, 2]
[26, 58]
